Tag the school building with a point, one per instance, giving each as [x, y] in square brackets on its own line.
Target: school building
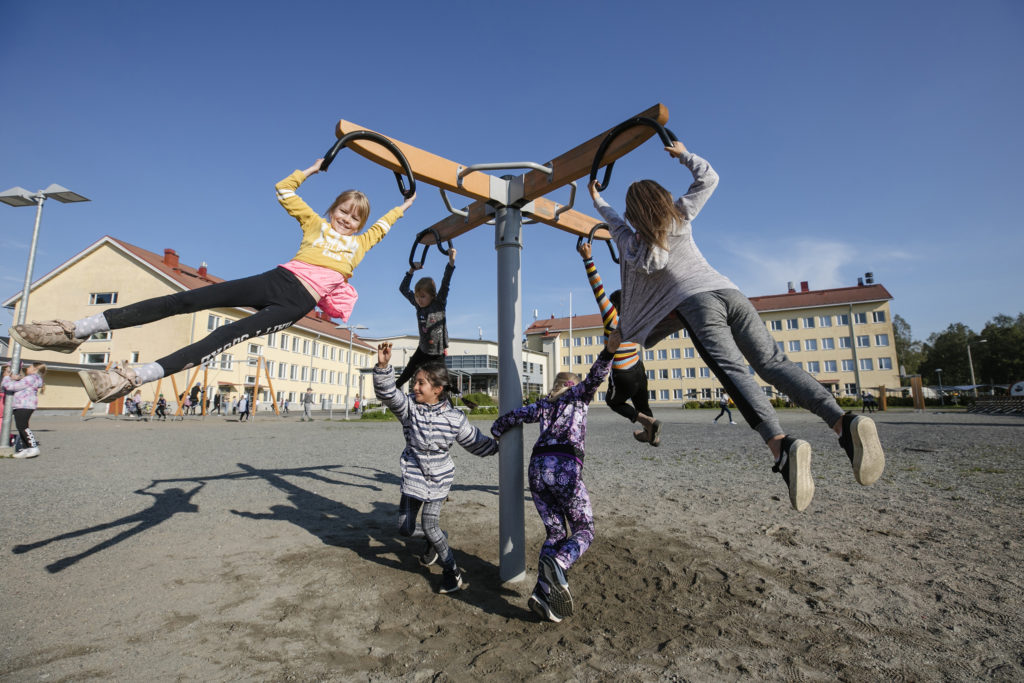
[843, 337]
[111, 272]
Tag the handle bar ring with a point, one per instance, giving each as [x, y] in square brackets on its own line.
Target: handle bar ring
[666, 135]
[590, 238]
[380, 139]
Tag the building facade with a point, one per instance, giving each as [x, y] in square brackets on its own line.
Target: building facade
[314, 353]
[842, 337]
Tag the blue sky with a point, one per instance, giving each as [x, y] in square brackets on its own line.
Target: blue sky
[849, 137]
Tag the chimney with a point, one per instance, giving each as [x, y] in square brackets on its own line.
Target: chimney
[202, 269]
[170, 258]
[325, 316]
[869, 278]
[860, 282]
[789, 288]
[804, 286]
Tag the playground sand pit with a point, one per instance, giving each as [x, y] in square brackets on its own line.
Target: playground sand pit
[217, 551]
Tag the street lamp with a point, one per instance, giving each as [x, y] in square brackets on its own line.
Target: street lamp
[942, 401]
[348, 382]
[970, 362]
[19, 196]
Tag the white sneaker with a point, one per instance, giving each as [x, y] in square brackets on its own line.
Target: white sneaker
[27, 453]
[731, 422]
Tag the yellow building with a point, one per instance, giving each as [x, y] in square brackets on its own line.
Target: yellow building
[110, 272]
[843, 337]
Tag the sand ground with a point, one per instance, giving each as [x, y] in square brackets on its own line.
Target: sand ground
[216, 551]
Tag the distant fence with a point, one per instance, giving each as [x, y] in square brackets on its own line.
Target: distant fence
[998, 405]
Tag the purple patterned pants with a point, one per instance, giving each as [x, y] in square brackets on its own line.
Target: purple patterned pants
[560, 495]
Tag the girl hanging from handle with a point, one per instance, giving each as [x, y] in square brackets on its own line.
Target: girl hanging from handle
[663, 272]
[319, 274]
[430, 303]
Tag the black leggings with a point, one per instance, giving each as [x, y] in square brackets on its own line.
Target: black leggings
[626, 385]
[415, 363]
[279, 297]
[21, 418]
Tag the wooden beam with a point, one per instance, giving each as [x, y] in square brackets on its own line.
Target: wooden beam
[426, 167]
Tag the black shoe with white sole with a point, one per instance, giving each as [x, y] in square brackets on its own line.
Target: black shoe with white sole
[795, 467]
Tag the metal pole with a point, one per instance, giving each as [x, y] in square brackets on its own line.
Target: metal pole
[5, 424]
[856, 358]
[348, 378]
[970, 362]
[942, 400]
[511, 521]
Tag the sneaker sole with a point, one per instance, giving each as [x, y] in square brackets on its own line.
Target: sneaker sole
[456, 589]
[560, 599]
[868, 457]
[656, 434]
[801, 483]
[25, 457]
[35, 347]
[542, 610]
[90, 389]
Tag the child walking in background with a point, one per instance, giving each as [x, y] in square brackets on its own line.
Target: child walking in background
[556, 478]
[430, 317]
[663, 272]
[318, 274]
[628, 379]
[431, 425]
[723, 403]
[24, 400]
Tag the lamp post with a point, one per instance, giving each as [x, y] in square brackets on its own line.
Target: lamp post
[942, 401]
[348, 380]
[18, 196]
[970, 362]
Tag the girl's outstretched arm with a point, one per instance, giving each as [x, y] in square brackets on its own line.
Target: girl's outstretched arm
[403, 287]
[528, 413]
[475, 441]
[705, 180]
[599, 370]
[384, 384]
[446, 280]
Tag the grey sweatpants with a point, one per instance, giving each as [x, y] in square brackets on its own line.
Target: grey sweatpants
[728, 333]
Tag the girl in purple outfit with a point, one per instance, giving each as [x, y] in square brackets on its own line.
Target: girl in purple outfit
[25, 388]
[556, 478]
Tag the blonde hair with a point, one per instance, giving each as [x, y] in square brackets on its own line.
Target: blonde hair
[563, 381]
[41, 371]
[361, 201]
[650, 209]
[426, 285]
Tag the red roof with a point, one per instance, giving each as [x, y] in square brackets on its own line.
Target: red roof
[772, 302]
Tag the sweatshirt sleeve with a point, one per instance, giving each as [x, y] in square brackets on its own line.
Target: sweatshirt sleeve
[368, 238]
[475, 441]
[526, 414]
[705, 180]
[404, 290]
[598, 371]
[446, 280]
[387, 393]
[293, 203]
[609, 316]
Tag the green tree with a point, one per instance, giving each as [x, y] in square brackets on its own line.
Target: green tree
[947, 351]
[1000, 359]
[909, 353]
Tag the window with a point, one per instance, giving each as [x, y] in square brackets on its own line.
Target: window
[293, 371]
[824, 321]
[842, 319]
[686, 333]
[704, 372]
[95, 358]
[810, 345]
[662, 354]
[688, 353]
[252, 361]
[565, 342]
[885, 363]
[794, 345]
[250, 379]
[602, 395]
[650, 374]
[863, 340]
[674, 335]
[282, 370]
[578, 360]
[830, 366]
[691, 373]
[848, 365]
[878, 316]
[677, 373]
[675, 354]
[867, 364]
[305, 373]
[828, 343]
[589, 341]
[813, 367]
[775, 325]
[677, 394]
[705, 394]
[845, 343]
[648, 355]
[809, 322]
[663, 394]
[860, 318]
[254, 349]
[565, 360]
[212, 322]
[793, 324]
[577, 341]
[767, 391]
[305, 347]
[799, 364]
[284, 341]
[323, 376]
[652, 395]
[100, 336]
[331, 376]
[271, 338]
[226, 360]
[590, 358]
[663, 373]
[851, 388]
[295, 344]
[881, 340]
[102, 298]
[332, 352]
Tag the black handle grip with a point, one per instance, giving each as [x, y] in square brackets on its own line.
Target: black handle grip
[590, 238]
[391, 147]
[423, 255]
[666, 135]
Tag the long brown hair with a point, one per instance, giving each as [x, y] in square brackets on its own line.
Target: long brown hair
[650, 209]
[361, 201]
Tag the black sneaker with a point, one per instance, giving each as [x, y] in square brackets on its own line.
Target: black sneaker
[860, 441]
[795, 467]
[451, 581]
[559, 599]
[429, 555]
[539, 604]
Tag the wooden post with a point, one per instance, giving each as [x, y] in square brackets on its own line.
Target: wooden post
[270, 383]
[881, 398]
[917, 391]
[156, 396]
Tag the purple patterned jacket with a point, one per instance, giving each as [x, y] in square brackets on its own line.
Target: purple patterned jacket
[563, 421]
[25, 390]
